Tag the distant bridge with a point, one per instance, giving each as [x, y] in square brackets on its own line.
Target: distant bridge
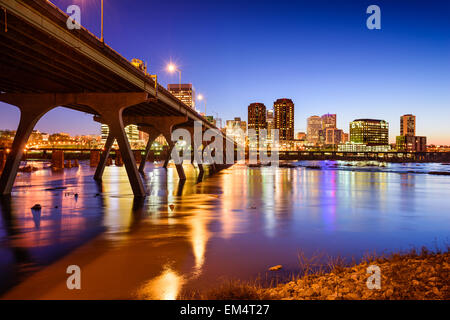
[393, 156]
[366, 156]
[44, 65]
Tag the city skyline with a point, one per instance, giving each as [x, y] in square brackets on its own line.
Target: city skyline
[347, 69]
[224, 151]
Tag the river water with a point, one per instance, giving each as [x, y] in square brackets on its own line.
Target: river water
[193, 236]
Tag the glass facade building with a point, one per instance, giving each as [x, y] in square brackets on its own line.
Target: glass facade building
[369, 132]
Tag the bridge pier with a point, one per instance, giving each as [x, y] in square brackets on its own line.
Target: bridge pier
[152, 135]
[110, 107]
[162, 125]
[32, 108]
[213, 166]
[104, 158]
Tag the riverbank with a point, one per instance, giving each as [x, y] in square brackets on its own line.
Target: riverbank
[409, 276]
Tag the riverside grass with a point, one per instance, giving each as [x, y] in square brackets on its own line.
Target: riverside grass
[414, 275]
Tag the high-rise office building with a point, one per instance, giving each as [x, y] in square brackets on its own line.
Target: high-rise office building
[237, 123]
[257, 117]
[408, 141]
[314, 125]
[329, 121]
[408, 125]
[333, 136]
[104, 132]
[300, 136]
[236, 129]
[184, 92]
[284, 118]
[369, 132]
[270, 123]
[132, 132]
[411, 144]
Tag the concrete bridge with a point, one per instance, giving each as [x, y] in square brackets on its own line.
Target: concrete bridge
[44, 65]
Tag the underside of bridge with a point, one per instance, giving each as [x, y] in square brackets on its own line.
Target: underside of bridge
[44, 65]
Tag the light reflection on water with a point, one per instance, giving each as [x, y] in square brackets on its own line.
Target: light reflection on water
[194, 235]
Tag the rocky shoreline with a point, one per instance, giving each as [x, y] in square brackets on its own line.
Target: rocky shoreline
[424, 276]
[405, 276]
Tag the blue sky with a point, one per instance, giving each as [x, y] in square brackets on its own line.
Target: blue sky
[318, 53]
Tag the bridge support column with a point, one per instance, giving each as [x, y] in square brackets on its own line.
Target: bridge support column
[213, 166]
[193, 158]
[178, 166]
[110, 106]
[152, 135]
[164, 126]
[194, 146]
[32, 108]
[104, 158]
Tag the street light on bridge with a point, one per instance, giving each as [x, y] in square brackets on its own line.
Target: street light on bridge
[200, 97]
[173, 68]
[102, 39]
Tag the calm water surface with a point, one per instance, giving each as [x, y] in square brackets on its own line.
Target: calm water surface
[233, 225]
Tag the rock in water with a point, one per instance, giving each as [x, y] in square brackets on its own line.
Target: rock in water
[276, 268]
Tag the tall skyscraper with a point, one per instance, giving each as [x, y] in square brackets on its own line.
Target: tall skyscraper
[314, 125]
[184, 92]
[408, 141]
[369, 132]
[270, 123]
[284, 118]
[329, 121]
[408, 125]
[257, 117]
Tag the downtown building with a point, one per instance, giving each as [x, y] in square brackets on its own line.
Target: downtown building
[236, 129]
[313, 128]
[270, 119]
[284, 118]
[329, 121]
[257, 117]
[237, 123]
[367, 135]
[323, 131]
[407, 141]
[183, 92]
[133, 134]
[330, 135]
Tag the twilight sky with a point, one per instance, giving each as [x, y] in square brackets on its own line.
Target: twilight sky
[318, 53]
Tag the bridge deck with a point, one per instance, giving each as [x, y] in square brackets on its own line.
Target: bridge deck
[39, 54]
